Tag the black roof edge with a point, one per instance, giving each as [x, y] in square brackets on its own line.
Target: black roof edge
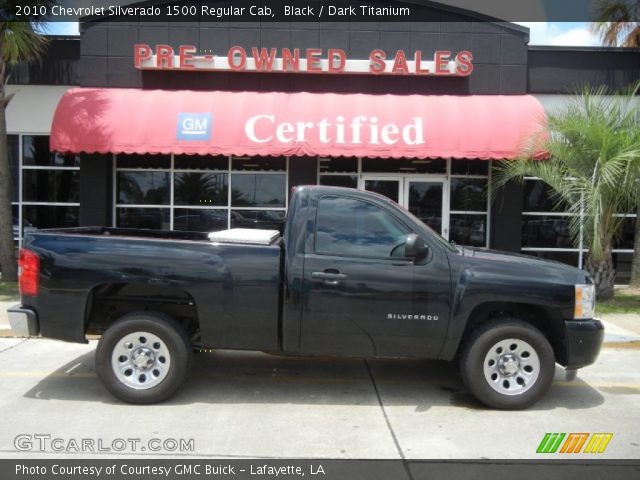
[564, 48]
[68, 38]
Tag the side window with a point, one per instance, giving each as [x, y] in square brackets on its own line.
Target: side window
[350, 227]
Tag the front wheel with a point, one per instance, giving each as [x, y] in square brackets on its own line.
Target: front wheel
[143, 358]
[507, 364]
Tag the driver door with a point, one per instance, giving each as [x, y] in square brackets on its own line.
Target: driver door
[360, 293]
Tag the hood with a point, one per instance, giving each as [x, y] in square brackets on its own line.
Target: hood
[525, 264]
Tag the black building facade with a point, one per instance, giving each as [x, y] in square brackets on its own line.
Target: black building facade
[206, 193]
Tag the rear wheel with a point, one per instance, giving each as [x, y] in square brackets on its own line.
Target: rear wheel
[507, 364]
[143, 357]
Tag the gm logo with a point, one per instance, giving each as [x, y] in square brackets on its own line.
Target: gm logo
[574, 443]
[194, 126]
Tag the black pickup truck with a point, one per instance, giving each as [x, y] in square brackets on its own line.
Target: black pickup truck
[354, 274]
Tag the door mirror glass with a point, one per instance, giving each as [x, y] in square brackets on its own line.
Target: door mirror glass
[415, 248]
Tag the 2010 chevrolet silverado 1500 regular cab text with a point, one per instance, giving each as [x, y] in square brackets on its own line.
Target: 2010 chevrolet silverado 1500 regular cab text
[354, 274]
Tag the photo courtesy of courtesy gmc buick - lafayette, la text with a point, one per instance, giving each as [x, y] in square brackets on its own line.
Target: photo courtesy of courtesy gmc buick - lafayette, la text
[354, 274]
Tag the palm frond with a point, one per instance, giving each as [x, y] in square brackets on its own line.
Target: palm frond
[593, 145]
[615, 22]
[21, 42]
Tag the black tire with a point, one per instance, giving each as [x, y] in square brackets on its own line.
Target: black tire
[175, 349]
[523, 389]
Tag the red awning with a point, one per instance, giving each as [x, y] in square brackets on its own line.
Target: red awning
[326, 124]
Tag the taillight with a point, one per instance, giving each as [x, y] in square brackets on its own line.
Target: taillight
[29, 264]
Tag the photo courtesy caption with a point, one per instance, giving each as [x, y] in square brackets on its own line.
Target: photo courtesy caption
[178, 470]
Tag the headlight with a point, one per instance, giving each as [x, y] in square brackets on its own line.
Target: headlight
[585, 304]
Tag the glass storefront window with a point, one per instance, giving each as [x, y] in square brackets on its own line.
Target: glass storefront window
[35, 152]
[538, 197]
[199, 162]
[262, 164]
[570, 258]
[152, 218]
[468, 229]
[49, 194]
[144, 161]
[469, 167]
[13, 144]
[624, 240]
[404, 165]
[546, 232]
[255, 190]
[622, 264]
[263, 219]
[143, 188]
[200, 189]
[196, 192]
[49, 216]
[468, 194]
[338, 165]
[349, 181]
[52, 186]
[199, 219]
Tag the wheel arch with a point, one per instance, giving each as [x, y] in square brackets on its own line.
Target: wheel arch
[547, 320]
[109, 302]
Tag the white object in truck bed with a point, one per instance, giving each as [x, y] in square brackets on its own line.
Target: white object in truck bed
[245, 235]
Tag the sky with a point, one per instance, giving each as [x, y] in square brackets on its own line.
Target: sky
[541, 33]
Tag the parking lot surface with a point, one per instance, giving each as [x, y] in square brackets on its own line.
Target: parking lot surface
[246, 405]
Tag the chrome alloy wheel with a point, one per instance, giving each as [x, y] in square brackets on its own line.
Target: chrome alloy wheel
[511, 366]
[140, 360]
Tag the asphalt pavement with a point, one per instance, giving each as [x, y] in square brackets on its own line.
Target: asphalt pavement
[247, 405]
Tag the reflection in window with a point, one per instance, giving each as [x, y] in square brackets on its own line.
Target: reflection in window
[143, 188]
[152, 218]
[468, 229]
[546, 232]
[469, 167]
[339, 164]
[624, 239]
[144, 161]
[388, 188]
[570, 258]
[35, 152]
[405, 165]
[199, 220]
[255, 190]
[46, 216]
[622, 263]
[263, 219]
[198, 162]
[468, 194]
[425, 202]
[349, 181]
[350, 227]
[263, 164]
[200, 189]
[53, 186]
[538, 197]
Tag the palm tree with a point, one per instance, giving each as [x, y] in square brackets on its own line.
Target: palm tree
[19, 41]
[613, 22]
[616, 29]
[593, 146]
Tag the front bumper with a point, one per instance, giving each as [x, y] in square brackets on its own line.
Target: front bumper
[23, 321]
[583, 342]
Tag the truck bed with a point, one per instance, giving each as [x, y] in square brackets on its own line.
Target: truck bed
[88, 272]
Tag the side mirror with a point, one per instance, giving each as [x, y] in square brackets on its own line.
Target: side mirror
[415, 248]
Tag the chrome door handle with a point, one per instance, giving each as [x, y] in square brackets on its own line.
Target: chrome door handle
[330, 278]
